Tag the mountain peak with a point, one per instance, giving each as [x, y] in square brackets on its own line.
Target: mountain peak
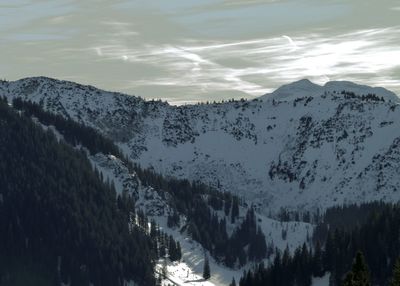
[360, 89]
[302, 82]
[305, 87]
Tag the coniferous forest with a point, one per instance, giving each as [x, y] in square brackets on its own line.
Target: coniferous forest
[197, 201]
[370, 242]
[60, 222]
[199, 143]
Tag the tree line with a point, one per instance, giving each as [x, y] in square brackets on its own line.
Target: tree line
[373, 230]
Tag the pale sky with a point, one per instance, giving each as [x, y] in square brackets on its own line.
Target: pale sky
[185, 51]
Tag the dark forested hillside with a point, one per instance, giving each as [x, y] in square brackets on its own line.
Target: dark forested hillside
[58, 221]
[73, 132]
[61, 222]
[197, 201]
[205, 226]
[373, 230]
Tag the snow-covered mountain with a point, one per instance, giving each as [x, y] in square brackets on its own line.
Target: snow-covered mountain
[301, 147]
[157, 208]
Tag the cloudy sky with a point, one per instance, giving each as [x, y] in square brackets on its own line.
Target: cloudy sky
[196, 50]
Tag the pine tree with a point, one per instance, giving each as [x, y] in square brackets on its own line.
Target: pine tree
[227, 207]
[206, 269]
[172, 250]
[317, 261]
[164, 270]
[153, 229]
[395, 281]
[178, 251]
[233, 283]
[161, 248]
[359, 275]
[235, 209]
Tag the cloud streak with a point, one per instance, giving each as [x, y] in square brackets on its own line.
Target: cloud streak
[246, 66]
[186, 51]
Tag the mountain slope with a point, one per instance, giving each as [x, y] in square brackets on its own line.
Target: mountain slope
[162, 198]
[60, 222]
[302, 147]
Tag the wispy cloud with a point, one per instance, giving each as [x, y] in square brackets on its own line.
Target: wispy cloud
[185, 51]
[245, 65]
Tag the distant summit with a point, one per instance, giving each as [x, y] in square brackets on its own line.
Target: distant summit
[299, 88]
[305, 87]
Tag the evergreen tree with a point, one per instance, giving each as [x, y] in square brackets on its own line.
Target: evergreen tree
[164, 270]
[359, 275]
[206, 268]
[235, 209]
[153, 229]
[395, 281]
[227, 207]
[178, 251]
[173, 220]
[171, 248]
[233, 283]
[317, 261]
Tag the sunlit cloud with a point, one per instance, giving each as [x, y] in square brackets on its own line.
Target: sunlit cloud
[211, 66]
[186, 51]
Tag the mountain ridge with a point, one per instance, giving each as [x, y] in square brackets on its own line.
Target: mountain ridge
[310, 151]
[305, 87]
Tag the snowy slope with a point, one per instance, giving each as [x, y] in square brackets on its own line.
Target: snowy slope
[192, 261]
[302, 147]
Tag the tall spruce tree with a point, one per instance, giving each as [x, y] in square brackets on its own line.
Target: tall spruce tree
[206, 269]
[178, 251]
[359, 275]
[235, 209]
[318, 270]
